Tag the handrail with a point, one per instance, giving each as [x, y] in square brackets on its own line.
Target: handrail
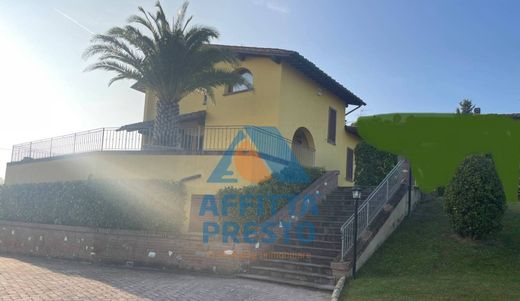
[193, 139]
[371, 207]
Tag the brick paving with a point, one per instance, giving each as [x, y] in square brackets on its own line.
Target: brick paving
[30, 278]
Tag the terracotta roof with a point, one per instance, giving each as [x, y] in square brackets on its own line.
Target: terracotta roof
[300, 63]
[352, 130]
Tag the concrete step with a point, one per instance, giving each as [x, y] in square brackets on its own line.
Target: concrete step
[326, 287]
[334, 218]
[315, 243]
[335, 237]
[323, 269]
[324, 229]
[292, 274]
[295, 249]
[320, 222]
[334, 211]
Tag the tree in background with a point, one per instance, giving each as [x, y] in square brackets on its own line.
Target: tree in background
[465, 107]
[372, 165]
[172, 61]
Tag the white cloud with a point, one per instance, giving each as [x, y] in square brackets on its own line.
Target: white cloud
[277, 7]
[273, 6]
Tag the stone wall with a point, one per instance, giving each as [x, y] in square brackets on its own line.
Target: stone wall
[123, 247]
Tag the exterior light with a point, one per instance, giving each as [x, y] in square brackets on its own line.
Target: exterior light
[356, 193]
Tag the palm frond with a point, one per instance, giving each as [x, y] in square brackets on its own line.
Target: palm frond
[181, 15]
[169, 59]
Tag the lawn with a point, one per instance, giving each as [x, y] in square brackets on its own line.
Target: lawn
[423, 260]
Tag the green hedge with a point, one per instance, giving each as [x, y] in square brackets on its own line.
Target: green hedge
[272, 186]
[151, 205]
[475, 199]
[372, 165]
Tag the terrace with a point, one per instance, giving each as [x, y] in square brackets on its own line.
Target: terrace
[263, 141]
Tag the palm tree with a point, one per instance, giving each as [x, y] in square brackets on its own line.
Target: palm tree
[172, 61]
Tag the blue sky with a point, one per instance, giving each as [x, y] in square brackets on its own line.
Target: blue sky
[398, 56]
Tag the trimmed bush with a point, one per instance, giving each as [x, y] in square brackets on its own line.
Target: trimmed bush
[372, 165]
[272, 186]
[151, 205]
[475, 199]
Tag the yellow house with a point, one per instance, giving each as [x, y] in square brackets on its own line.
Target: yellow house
[287, 92]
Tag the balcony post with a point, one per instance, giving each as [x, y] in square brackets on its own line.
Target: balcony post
[74, 144]
[102, 139]
[30, 150]
[50, 149]
[198, 138]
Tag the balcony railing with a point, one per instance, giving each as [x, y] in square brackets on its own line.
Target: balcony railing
[186, 139]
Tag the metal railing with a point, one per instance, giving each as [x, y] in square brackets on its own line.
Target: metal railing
[187, 139]
[373, 204]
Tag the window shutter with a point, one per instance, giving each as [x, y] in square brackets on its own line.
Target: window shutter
[331, 134]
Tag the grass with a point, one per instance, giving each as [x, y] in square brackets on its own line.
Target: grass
[424, 260]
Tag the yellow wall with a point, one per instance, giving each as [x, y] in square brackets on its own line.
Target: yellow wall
[258, 107]
[301, 106]
[284, 98]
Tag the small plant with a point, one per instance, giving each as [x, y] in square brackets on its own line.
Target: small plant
[475, 199]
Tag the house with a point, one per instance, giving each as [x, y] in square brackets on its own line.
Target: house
[289, 99]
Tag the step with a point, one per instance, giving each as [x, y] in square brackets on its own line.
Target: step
[319, 222]
[333, 210]
[312, 258]
[334, 218]
[336, 237]
[292, 274]
[326, 287]
[342, 205]
[338, 197]
[323, 269]
[295, 249]
[322, 229]
[315, 243]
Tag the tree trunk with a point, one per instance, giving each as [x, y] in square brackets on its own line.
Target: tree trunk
[164, 131]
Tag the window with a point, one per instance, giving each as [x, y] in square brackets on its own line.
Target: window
[331, 134]
[248, 78]
[350, 164]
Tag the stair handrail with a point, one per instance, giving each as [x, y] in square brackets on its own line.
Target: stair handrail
[371, 207]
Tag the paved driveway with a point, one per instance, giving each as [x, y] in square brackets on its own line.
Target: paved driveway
[28, 278]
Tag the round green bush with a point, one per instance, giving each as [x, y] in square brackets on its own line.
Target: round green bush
[475, 199]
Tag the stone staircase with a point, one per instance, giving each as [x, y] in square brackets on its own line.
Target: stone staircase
[313, 270]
